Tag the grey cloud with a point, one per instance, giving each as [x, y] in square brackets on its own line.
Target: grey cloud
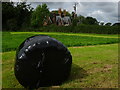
[109, 10]
[103, 11]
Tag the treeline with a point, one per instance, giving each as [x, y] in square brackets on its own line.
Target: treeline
[22, 17]
[81, 28]
[16, 16]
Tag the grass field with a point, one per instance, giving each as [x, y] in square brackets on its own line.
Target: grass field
[11, 40]
[95, 59]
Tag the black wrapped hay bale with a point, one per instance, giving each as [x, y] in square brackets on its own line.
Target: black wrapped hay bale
[42, 61]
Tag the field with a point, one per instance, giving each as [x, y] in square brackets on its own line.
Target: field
[95, 59]
[11, 40]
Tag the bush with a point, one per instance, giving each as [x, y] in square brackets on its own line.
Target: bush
[74, 22]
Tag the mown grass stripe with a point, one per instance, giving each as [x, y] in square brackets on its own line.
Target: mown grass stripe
[73, 34]
[93, 46]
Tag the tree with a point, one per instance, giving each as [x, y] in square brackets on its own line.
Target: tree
[14, 15]
[90, 21]
[108, 24]
[116, 24]
[23, 13]
[8, 12]
[81, 19]
[39, 15]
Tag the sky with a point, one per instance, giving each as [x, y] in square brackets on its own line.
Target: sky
[104, 11]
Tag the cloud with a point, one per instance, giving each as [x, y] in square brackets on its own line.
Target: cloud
[102, 11]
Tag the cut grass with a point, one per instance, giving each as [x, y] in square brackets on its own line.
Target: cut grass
[95, 67]
[74, 34]
[11, 40]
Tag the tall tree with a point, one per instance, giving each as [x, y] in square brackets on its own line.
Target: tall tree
[7, 12]
[39, 15]
[23, 13]
[14, 15]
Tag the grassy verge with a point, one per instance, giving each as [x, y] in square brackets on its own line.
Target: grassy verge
[11, 40]
[95, 67]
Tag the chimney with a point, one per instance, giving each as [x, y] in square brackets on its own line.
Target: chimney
[59, 11]
[64, 12]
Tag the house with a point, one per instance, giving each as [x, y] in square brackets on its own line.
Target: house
[60, 18]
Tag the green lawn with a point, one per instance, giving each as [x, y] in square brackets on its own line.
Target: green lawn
[11, 40]
[95, 67]
[95, 58]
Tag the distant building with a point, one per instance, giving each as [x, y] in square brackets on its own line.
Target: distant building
[60, 18]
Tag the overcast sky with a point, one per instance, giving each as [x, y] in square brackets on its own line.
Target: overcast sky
[102, 11]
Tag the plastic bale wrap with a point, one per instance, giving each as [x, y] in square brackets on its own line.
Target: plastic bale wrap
[42, 61]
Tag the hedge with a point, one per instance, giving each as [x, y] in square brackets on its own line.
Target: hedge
[81, 29]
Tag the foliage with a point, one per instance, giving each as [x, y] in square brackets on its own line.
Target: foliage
[108, 24]
[20, 16]
[81, 28]
[74, 22]
[81, 19]
[12, 24]
[7, 12]
[116, 24]
[91, 21]
[23, 14]
[39, 15]
[87, 20]
[15, 15]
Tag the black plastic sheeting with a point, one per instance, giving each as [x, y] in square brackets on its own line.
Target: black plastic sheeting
[42, 61]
